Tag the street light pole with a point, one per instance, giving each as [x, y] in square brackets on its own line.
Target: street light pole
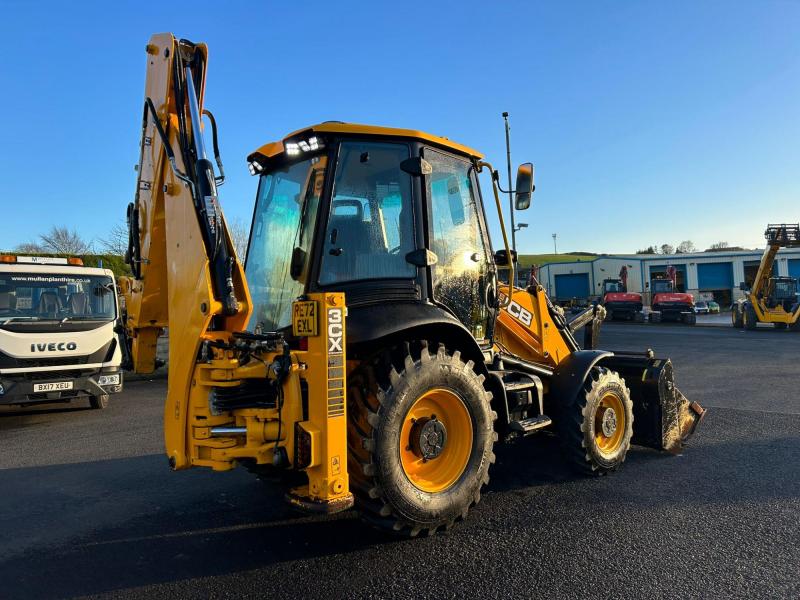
[510, 187]
[555, 247]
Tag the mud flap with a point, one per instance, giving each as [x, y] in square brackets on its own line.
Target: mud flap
[663, 418]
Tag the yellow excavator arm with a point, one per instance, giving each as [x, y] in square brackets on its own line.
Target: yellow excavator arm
[233, 396]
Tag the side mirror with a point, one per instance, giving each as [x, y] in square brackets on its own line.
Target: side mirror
[501, 258]
[524, 188]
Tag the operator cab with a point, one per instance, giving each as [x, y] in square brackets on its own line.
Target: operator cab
[613, 286]
[662, 286]
[387, 216]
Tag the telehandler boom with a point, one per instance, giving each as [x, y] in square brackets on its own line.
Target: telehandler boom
[367, 346]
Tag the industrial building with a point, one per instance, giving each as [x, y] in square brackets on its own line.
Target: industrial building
[710, 275]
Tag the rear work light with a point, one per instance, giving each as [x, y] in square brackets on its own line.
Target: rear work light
[78, 262]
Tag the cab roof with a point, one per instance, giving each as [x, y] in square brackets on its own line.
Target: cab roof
[274, 149]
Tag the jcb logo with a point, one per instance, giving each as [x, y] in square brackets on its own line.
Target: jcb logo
[335, 330]
[520, 314]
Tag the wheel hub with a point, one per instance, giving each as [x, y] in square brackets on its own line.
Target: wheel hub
[608, 422]
[428, 438]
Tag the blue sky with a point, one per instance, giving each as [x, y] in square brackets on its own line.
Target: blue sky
[648, 122]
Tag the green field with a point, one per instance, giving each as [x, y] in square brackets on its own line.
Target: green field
[541, 259]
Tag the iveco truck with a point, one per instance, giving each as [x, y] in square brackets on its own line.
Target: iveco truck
[57, 332]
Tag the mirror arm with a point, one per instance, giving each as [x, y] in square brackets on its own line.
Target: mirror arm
[495, 185]
[496, 179]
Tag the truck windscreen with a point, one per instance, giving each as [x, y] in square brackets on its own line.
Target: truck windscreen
[45, 296]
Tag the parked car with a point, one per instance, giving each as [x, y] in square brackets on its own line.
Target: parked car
[701, 307]
[713, 308]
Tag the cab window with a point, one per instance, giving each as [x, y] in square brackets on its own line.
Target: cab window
[370, 222]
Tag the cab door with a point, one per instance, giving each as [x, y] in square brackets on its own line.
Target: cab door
[461, 279]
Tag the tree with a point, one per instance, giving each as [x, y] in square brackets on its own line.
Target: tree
[60, 240]
[30, 248]
[667, 249]
[648, 250]
[117, 240]
[685, 247]
[719, 246]
[240, 234]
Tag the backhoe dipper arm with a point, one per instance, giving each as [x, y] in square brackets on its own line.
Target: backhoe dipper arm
[185, 273]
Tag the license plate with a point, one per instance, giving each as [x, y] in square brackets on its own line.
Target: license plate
[304, 318]
[55, 386]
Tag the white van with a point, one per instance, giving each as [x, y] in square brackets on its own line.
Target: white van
[57, 331]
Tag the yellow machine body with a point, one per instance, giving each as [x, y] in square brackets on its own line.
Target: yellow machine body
[188, 281]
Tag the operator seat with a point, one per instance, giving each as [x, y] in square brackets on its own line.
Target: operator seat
[78, 304]
[8, 301]
[352, 235]
[49, 303]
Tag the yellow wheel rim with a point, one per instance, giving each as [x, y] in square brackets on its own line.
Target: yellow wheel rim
[436, 440]
[609, 424]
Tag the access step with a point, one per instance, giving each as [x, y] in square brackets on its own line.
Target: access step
[531, 425]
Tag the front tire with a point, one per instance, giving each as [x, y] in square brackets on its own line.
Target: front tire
[420, 438]
[737, 317]
[750, 319]
[99, 402]
[595, 429]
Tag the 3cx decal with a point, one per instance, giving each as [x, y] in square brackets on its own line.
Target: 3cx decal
[335, 330]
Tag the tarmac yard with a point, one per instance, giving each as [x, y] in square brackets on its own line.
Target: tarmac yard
[89, 506]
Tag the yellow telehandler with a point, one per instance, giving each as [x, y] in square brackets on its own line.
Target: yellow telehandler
[771, 299]
[367, 346]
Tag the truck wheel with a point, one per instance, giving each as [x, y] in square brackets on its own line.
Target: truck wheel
[638, 317]
[99, 402]
[750, 319]
[655, 317]
[420, 438]
[691, 319]
[596, 427]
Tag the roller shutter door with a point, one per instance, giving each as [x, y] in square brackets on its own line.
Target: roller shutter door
[574, 285]
[715, 276]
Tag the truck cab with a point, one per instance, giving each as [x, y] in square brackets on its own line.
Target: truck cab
[57, 332]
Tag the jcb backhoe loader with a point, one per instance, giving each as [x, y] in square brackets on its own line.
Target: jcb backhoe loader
[771, 299]
[367, 344]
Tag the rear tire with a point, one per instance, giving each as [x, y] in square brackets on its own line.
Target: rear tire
[638, 317]
[691, 319]
[394, 488]
[99, 402]
[750, 319]
[595, 442]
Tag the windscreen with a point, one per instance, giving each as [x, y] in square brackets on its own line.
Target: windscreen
[56, 296]
[283, 227]
[662, 286]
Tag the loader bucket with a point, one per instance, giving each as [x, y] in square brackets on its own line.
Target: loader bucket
[662, 416]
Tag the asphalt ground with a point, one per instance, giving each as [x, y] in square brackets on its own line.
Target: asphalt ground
[89, 507]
